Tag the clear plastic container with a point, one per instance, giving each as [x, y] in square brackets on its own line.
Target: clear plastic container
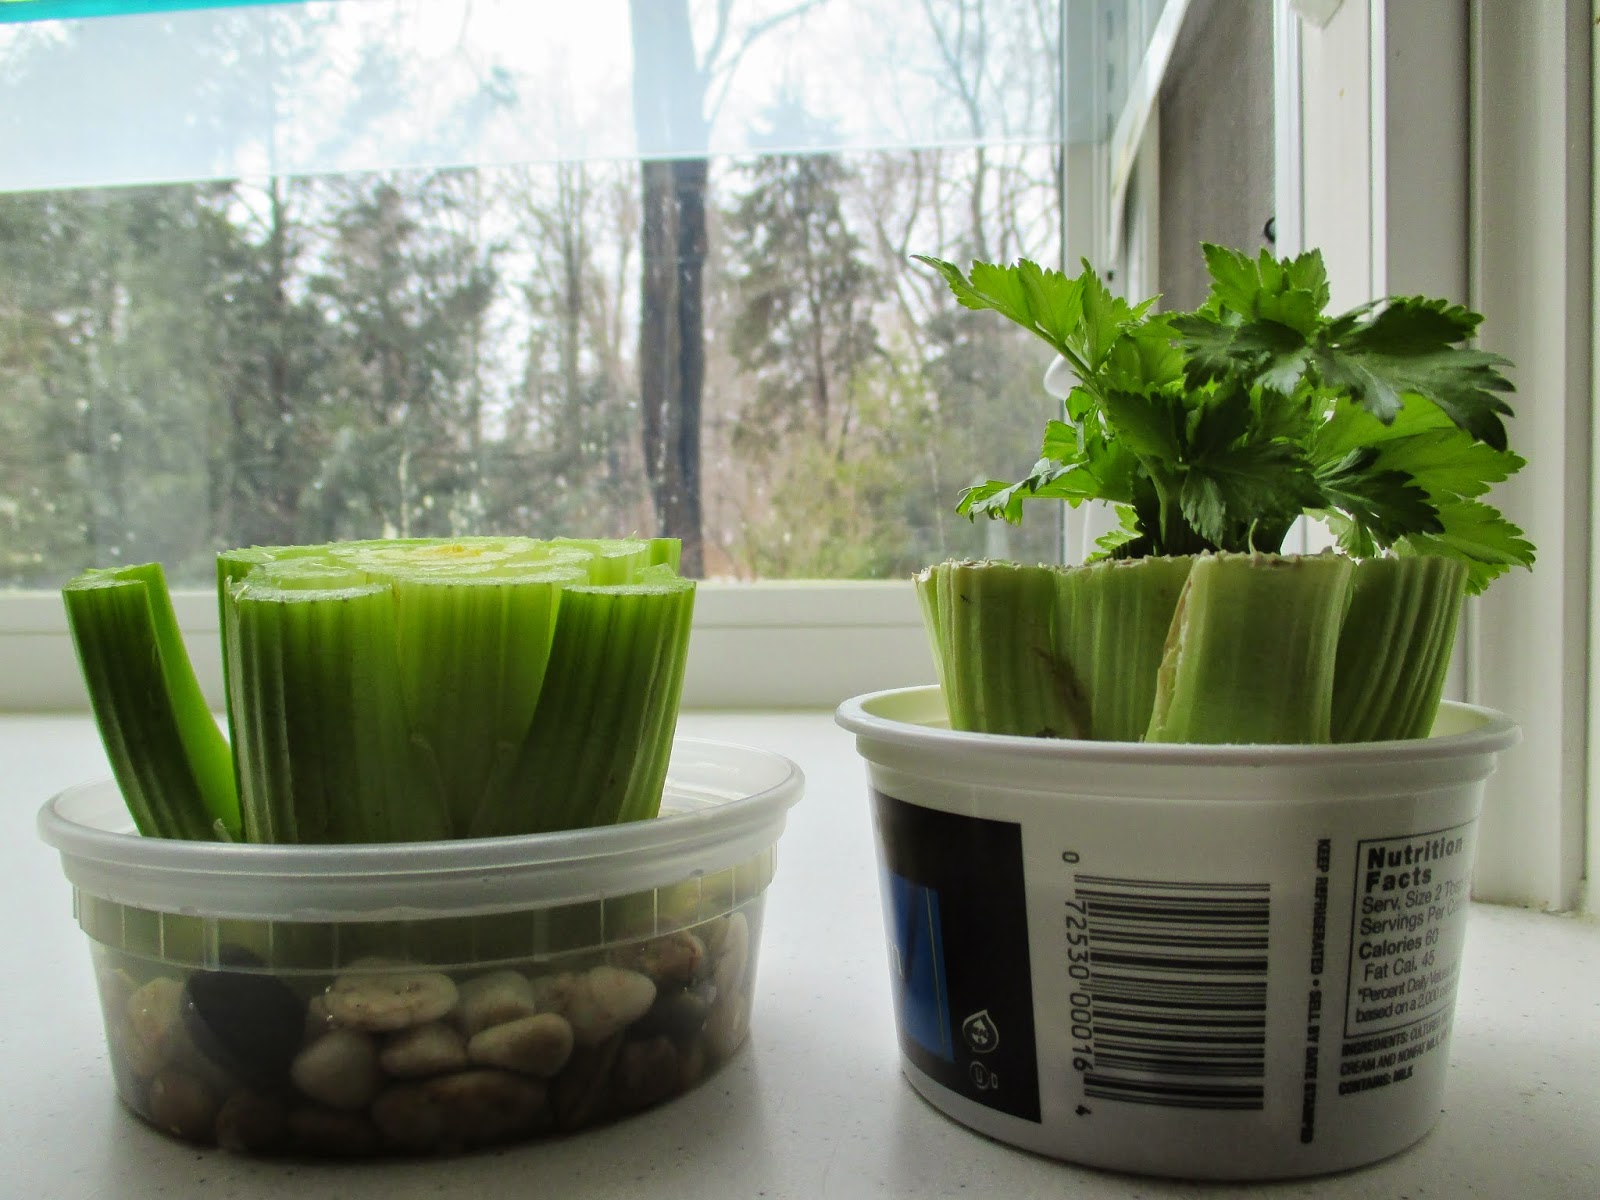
[1216, 962]
[426, 998]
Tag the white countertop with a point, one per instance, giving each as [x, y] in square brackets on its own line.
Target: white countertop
[815, 1105]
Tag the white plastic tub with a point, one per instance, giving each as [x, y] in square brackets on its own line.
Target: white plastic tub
[427, 997]
[1220, 962]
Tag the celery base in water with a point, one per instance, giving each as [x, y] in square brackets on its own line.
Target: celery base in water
[597, 749]
[1394, 649]
[167, 754]
[991, 625]
[323, 747]
[1251, 652]
[1111, 624]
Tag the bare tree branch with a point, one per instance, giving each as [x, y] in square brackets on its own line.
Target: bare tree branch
[712, 71]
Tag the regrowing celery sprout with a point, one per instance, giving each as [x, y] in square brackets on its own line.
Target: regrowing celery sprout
[1211, 433]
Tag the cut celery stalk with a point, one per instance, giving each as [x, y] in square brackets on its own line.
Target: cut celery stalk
[598, 745]
[1394, 648]
[614, 560]
[166, 752]
[666, 552]
[389, 690]
[1111, 625]
[1250, 655]
[642, 800]
[472, 652]
[992, 626]
[323, 747]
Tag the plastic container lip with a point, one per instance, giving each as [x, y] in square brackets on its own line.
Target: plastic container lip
[723, 804]
[913, 718]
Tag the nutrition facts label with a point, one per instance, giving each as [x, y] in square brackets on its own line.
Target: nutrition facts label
[1405, 951]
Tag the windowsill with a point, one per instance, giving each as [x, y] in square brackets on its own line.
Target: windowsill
[815, 1105]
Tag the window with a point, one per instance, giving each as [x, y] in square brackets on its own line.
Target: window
[311, 271]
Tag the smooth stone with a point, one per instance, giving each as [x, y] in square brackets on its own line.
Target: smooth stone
[675, 960]
[646, 1073]
[251, 1123]
[182, 1104]
[727, 1025]
[538, 1045]
[339, 1070]
[250, 1025]
[387, 1000]
[454, 1112]
[583, 1090]
[423, 1050]
[678, 1014]
[602, 1001]
[155, 1016]
[494, 999]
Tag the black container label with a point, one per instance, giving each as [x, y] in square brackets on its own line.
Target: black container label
[955, 910]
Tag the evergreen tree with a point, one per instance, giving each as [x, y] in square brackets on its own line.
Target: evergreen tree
[803, 324]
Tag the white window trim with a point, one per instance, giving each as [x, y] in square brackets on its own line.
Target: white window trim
[756, 645]
[1453, 157]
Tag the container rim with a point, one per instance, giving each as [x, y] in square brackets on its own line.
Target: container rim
[722, 802]
[1462, 729]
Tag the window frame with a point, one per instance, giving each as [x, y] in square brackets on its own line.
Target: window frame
[1417, 170]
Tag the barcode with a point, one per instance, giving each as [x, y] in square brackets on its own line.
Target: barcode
[1178, 979]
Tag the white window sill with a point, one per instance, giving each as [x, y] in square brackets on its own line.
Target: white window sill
[777, 644]
[814, 1106]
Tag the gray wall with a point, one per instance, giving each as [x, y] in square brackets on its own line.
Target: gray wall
[1216, 142]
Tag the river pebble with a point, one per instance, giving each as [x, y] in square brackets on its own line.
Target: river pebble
[251, 1123]
[155, 1017]
[675, 960]
[454, 1112]
[727, 1025]
[538, 1045]
[646, 1073]
[340, 1070]
[600, 1001]
[182, 1104]
[384, 998]
[423, 1050]
[582, 1095]
[248, 1024]
[494, 999]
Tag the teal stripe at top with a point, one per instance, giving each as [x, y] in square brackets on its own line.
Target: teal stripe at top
[55, 10]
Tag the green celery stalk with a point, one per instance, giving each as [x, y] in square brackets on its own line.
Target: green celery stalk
[668, 552]
[1111, 625]
[324, 750]
[617, 560]
[992, 625]
[597, 748]
[473, 650]
[643, 798]
[1250, 655]
[1394, 648]
[166, 752]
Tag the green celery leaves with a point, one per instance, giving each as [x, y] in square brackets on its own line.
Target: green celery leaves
[1213, 430]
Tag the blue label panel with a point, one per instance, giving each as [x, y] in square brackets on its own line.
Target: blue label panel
[956, 919]
[916, 953]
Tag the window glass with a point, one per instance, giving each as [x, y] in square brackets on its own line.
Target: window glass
[389, 267]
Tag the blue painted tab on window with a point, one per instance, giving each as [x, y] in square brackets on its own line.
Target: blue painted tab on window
[56, 10]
